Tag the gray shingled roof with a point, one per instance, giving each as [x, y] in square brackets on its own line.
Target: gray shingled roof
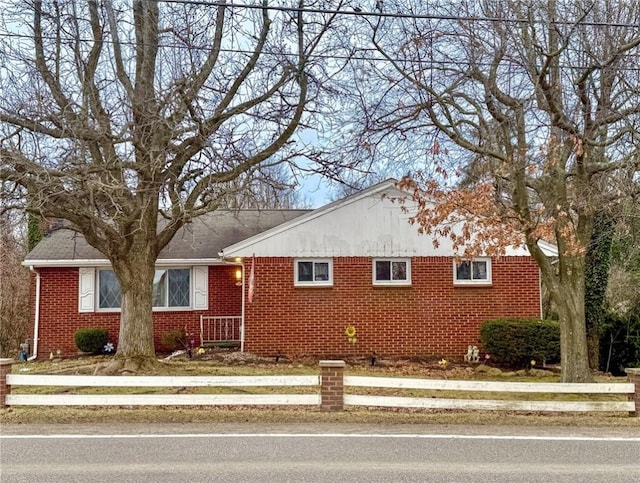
[205, 237]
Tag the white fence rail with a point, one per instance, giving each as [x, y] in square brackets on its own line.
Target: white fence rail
[163, 400]
[488, 386]
[160, 399]
[160, 381]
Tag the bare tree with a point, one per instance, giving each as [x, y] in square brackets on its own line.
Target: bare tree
[534, 105]
[131, 119]
[267, 187]
[623, 289]
[14, 287]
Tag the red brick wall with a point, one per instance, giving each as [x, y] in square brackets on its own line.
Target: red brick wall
[431, 317]
[59, 316]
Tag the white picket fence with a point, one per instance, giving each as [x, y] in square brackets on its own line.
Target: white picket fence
[244, 399]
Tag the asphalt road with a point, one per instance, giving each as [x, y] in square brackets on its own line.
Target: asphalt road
[319, 454]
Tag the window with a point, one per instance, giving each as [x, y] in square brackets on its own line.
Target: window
[476, 271]
[313, 273]
[392, 271]
[109, 296]
[171, 289]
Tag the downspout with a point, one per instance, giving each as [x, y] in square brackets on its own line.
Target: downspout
[36, 315]
[223, 258]
[540, 293]
[242, 313]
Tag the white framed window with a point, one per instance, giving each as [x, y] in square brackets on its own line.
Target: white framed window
[313, 272]
[109, 296]
[391, 271]
[474, 272]
[173, 289]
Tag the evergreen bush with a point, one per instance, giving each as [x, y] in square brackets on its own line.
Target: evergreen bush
[518, 341]
[91, 340]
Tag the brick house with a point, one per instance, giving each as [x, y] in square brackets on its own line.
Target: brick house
[290, 282]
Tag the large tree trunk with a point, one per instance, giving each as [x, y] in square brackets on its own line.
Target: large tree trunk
[564, 278]
[569, 299]
[136, 318]
[135, 271]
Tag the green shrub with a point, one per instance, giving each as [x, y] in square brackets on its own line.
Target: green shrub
[174, 339]
[518, 341]
[620, 343]
[91, 340]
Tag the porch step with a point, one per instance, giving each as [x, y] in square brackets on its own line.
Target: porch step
[222, 344]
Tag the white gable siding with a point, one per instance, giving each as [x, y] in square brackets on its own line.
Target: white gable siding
[372, 226]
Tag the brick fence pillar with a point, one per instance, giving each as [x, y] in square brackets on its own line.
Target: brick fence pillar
[5, 368]
[634, 377]
[332, 385]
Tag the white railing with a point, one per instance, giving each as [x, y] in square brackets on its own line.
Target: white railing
[488, 386]
[66, 399]
[220, 329]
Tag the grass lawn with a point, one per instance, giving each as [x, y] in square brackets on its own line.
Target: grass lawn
[223, 363]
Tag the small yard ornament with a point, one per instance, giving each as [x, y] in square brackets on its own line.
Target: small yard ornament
[473, 354]
[24, 351]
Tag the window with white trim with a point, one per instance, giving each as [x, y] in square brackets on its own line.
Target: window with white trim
[391, 271]
[313, 272]
[173, 288]
[109, 296]
[476, 271]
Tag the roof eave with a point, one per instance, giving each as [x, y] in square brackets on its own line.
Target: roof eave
[162, 262]
[549, 249]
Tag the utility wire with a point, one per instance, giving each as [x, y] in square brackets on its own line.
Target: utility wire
[358, 12]
[360, 56]
[361, 52]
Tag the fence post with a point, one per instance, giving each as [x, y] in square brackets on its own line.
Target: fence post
[5, 368]
[634, 377]
[332, 385]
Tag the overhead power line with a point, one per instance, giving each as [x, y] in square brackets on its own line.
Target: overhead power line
[361, 54]
[358, 12]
